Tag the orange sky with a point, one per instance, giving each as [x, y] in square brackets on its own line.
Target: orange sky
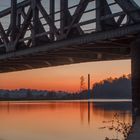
[64, 77]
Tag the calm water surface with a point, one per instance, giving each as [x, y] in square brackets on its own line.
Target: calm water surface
[59, 120]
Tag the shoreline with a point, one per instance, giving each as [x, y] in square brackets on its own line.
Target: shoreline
[67, 100]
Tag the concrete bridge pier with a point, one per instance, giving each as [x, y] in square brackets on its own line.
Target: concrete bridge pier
[135, 69]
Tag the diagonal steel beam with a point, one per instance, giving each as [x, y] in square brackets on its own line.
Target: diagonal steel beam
[19, 5]
[48, 19]
[102, 10]
[4, 37]
[130, 8]
[66, 19]
[24, 27]
[78, 14]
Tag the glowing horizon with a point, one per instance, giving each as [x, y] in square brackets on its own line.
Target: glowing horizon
[64, 78]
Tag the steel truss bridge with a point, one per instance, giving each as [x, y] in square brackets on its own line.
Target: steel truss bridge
[46, 33]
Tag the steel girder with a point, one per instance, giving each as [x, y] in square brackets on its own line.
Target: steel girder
[33, 28]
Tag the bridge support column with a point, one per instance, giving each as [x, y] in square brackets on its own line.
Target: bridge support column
[13, 33]
[135, 58]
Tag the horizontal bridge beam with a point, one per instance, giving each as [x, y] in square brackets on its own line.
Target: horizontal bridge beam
[86, 39]
[67, 34]
[20, 5]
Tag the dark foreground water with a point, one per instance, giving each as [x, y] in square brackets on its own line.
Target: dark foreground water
[60, 120]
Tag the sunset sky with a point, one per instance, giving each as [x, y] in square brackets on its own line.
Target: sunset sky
[65, 78]
[62, 77]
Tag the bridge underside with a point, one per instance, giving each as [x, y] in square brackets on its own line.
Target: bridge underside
[57, 58]
[35, 36]
[63, 53]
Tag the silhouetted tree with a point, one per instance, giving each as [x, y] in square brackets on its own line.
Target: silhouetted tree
[115, 88]
[82, 83]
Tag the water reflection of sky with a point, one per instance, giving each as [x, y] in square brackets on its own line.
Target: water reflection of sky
[59, 121]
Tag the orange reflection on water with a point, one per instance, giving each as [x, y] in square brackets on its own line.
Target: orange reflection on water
[58, 120]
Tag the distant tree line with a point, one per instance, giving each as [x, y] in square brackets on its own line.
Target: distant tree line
[110, 88]
[113, 88]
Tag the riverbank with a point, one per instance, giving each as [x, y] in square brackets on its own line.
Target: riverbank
[135, 135]
[68, 100]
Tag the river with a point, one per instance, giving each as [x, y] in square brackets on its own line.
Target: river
[61, 120]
